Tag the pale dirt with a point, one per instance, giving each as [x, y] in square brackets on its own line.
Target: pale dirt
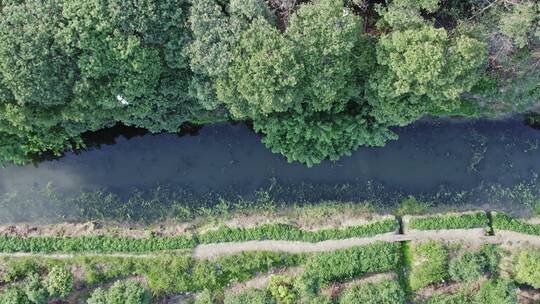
[212, 251]
[473, 237]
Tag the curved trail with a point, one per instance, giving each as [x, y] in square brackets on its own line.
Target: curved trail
[211, 251]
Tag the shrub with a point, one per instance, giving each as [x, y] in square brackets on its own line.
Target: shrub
[14, 295]
[467, 267]
[527, 268]
[341, 265]
[59, 282]
[450, 221]
[385, 292]
[121, 292]
[429, 264]
[19, 269]
[250, 296]
[282, 289]
[35, 290]
[496, 291]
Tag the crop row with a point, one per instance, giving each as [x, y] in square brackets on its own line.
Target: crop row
[109, 244]
[450, 221]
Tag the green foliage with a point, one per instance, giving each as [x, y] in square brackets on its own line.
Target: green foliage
[429, 264]
[384, 292]
[527, 268]
[59, 282]
[341, 265]
[121, 292]
[264, 74]
[503, 221]
[20, 269]
[101, 244]
[496, 291]
[14, 295]
[450, 221]
[520, 22]
[34, 289]
[467, 267]
[250, 296]
[411, 205]
[108, 244]
[422, 70]
[282, 289]
[400, 14]
[312, 138]
[291, 233]
[302, 87]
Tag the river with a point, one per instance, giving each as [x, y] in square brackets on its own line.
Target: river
[429, 155]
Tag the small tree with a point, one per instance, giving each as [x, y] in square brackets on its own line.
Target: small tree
[59, 282]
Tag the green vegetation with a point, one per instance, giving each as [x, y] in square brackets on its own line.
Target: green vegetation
[527, 268]
[503, 221]
[429, 264]
[449, 221]
[121, 292]
[318, 79]
[108, 244]
[346, 264]
[385, 292]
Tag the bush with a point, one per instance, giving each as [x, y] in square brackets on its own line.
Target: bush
[35, 290]
[467, 267]
[19, 269]
[385, 292]
[450, 221]
[429, 264]
[250, 296]
[341, 265]
[282, 289]
[121, 292]
[527, 268]
[13, 295]
[496, 291]
[59, 282]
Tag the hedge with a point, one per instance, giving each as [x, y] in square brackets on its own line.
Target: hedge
[110, 244]
[450, 221]
[98, 244]
[341, 265]
[503, 221]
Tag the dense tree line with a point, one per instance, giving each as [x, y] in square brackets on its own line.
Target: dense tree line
[317, 82]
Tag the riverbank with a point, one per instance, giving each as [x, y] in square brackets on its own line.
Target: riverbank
[420, 256]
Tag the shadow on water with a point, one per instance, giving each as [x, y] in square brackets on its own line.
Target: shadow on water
[431, 157]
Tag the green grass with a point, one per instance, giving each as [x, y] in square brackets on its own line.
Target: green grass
[450, 221]
[503, 221]
[110, 244]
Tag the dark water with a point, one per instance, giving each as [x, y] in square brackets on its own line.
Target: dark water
[428, 155]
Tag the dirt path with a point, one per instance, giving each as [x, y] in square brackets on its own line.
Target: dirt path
[212, 251]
